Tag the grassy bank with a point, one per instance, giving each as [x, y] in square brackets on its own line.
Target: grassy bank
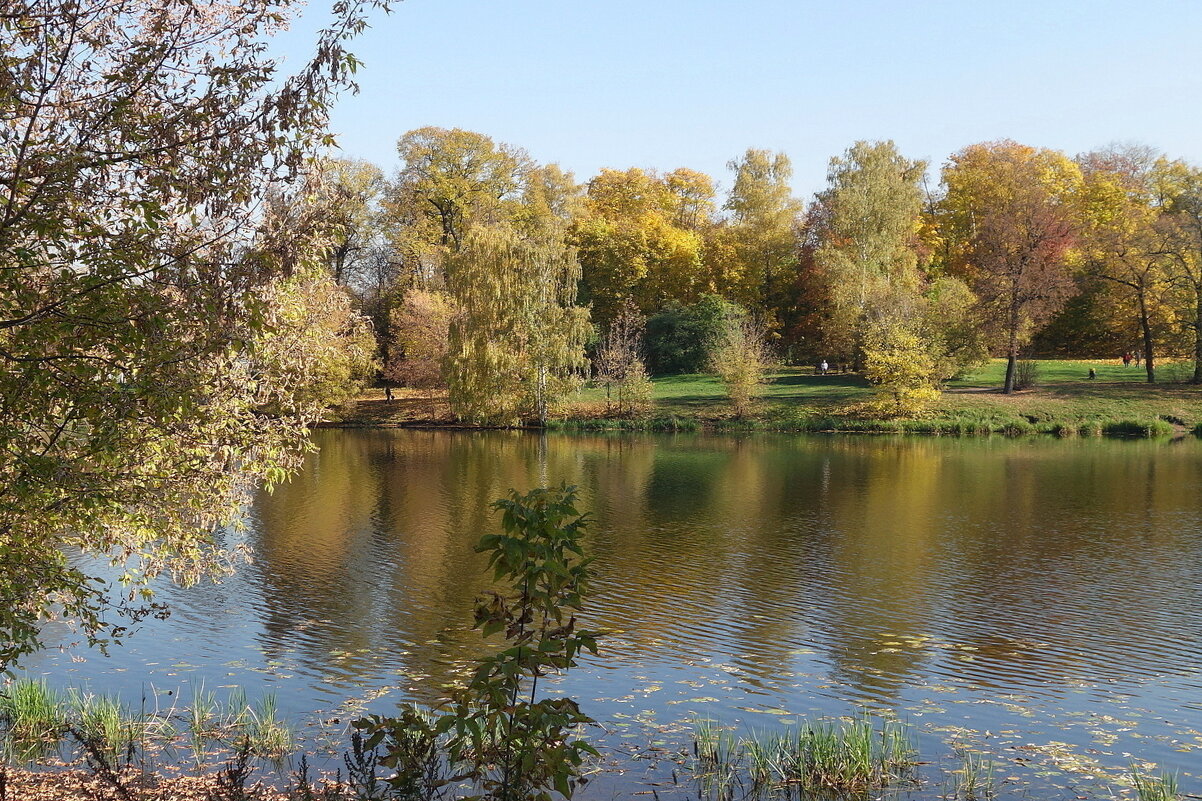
[1066, 402]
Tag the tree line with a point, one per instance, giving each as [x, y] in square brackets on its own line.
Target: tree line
[494, 276]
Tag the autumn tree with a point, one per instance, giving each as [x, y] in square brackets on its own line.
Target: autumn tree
[1181, 228]
[421, 333]
[1121, 239]
[551, 198]
[909, 356]
[741, 357]
[757, 248]
[867, 238]
[151, 309]
[1007, 211]
[635, 241]
[901, 369]
[354, 190]
[516, 341]
[451, 179]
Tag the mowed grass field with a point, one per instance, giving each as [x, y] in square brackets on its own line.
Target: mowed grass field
[1064, 401]
[1064, 395]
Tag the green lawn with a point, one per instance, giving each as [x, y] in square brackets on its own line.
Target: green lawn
[1064, 401]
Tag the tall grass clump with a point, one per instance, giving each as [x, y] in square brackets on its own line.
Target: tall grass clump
[849, 757]
[1137, 428]
[717, 759]
[1155, 788]
[266, 731]
[974, 780]
[105, 723]
[32, 712]
[202, 713]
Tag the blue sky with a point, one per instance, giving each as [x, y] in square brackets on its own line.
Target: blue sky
[671, 83]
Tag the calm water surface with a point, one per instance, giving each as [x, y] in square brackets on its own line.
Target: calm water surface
[1036, 600]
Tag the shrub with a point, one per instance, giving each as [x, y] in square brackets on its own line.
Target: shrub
[494, 730]
[741, 358]
[903, 371]
[1026, 374]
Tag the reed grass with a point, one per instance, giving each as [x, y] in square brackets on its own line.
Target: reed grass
[1154, 788]
[975, 778]
[32, 712]
[105, 723]
[850, 756]
[268, 734]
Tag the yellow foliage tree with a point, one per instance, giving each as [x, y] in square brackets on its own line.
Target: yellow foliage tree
[902, 369]
[1009, 217]
[516, 341]
[639, 241]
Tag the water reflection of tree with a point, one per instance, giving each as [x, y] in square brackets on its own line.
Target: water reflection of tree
[879, 553]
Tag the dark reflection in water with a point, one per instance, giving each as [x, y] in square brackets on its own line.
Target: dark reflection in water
[1034, 582]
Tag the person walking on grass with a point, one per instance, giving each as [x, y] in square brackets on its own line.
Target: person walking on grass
[823, 366]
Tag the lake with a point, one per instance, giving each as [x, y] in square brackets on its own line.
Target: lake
[1035, 600]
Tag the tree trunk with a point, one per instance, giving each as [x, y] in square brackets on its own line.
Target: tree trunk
[1011, 350]
[1146, 327]
[1197, 379]
[541, 401]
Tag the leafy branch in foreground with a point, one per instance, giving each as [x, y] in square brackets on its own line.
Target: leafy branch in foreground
[155, 344]
[499, 735]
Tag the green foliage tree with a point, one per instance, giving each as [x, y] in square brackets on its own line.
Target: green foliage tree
[516, 342]
[867, 252]
[679, 338]
[508, 742]
[141, 287]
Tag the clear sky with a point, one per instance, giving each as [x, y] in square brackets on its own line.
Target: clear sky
[693, 83]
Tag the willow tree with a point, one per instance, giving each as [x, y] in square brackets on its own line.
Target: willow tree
[516, 342]
[150, 312]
